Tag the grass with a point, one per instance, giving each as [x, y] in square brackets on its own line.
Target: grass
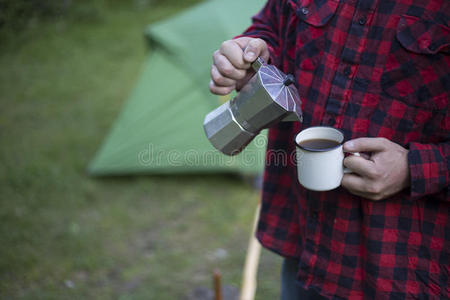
[65, 235]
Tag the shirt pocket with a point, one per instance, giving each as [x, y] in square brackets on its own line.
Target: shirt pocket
[417, 67]
[306, 38]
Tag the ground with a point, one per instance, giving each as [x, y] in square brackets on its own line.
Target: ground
[65, 235]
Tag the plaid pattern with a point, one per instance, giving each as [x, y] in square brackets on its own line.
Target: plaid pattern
[371, 68]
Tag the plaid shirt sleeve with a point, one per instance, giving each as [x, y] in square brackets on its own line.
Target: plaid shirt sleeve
[265, 26]
[429, 165]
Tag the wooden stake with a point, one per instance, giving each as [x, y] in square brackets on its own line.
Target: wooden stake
[217, 286]
[251, 263]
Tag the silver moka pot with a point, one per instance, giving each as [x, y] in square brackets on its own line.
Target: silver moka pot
[268, 97]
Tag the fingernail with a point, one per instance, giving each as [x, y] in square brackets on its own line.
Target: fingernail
[250, 55]
[349, 145]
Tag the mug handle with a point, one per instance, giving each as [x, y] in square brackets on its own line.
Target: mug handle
[347, 170]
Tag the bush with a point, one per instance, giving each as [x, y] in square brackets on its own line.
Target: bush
[17, 14]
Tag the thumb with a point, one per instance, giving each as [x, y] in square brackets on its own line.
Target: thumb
[255, 48]
[365, 145]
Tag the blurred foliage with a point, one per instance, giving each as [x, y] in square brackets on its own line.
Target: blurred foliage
[17, 15]
[20, 20]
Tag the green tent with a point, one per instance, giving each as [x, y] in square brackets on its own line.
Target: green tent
[160, 128]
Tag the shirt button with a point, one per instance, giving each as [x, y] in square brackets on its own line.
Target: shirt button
[362, 20]
[347, 71]
[305, 10]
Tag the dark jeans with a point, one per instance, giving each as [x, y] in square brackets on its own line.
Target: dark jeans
[290, 288]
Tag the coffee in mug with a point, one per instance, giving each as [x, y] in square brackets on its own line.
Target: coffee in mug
[318, 144]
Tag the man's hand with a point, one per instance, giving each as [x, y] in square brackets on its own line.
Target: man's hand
[231, 67]
[384, 173]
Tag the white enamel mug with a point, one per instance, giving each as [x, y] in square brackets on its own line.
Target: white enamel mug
[322, 169]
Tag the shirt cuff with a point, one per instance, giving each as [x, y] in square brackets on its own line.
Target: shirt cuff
[428, 166]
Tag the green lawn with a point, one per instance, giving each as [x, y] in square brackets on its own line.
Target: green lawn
[65, 235]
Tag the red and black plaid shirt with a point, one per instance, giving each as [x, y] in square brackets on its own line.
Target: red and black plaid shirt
[371, 68]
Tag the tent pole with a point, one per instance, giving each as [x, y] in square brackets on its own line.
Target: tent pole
[251, 262]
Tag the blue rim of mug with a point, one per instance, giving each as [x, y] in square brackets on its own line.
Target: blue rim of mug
[320, 150]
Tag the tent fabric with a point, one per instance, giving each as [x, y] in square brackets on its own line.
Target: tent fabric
[160, 127]
[194, 35]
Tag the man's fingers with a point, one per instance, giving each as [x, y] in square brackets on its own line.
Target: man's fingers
[233, 51]
[253, 48]
[353, 183]
[220, 90]
[231, 63]
[219, 80]
[361, 186]
[225, 67]
[366, 145]
[361, 166]
[365, 195]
